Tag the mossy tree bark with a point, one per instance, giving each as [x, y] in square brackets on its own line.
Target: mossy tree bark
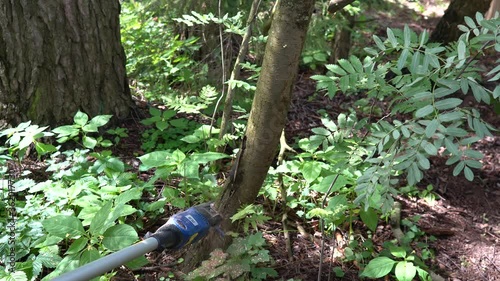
[267, 117]
[447, 28]
[61, 56]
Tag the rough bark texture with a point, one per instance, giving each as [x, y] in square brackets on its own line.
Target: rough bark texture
[446, 30]
[267, 117]
[61, 56]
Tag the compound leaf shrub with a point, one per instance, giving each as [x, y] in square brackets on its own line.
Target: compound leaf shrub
[426, 83]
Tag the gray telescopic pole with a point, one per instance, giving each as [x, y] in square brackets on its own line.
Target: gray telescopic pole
[108, 263]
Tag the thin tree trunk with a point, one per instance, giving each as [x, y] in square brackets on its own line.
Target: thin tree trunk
[494, 7]
[341, 44]
[267, 117]
[61, 56]
[235, 74]
[447, 28]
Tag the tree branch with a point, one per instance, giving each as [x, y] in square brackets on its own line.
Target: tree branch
[337, 5]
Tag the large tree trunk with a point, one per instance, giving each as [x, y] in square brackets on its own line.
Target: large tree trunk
[267, 117]
[446, 30]
[61, 56]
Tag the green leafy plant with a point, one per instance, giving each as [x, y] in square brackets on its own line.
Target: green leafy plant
[119, 133]
[82, 129]
[20, 138]
[193, 171]
[404, 265]
[78, 213]
[241, 261]
[159, 60]
[251, 215]
[424, 86]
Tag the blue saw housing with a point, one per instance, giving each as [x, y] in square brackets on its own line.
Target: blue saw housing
[191, 225]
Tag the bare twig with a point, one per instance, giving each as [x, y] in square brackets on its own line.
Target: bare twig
[281, 156]
[235, 74]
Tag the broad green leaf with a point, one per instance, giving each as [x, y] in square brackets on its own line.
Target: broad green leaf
[448, 103]
[119, 236]
[336, 69]
[458, 168]
[453, 159]
[470, 22]
[407, 36]
[162, 125]
[89, 142]
[370, 218]
[98, 222]
[15, 276]
[206, 157]
[90, 128]
[431, 128]
[470, 140]
[129, 195]
[473, 154]
[378, 267]
[493, 71]
[461, 53]
[405, 271]
[43, 149]
[80, 118]
[496, 92]
[100, 120]
[428, 147]
[89, 255]
[311, 170]
[342, 120]
[451, 147]
[424, 111]
[344, 83]
[416, 173]
[405, 131]
[469, 175]
[463, 28]
[155, 159]
[415, 63]
[356, 63]
[392, 38]
[403, 58]
[456, 132]
[64, 226]
[345, 64]
[115, 164]
[473, 164]
[397, 251]
[178, 156]
[423, 162]
[424, 275]
[379, 42]
[424, 36]
[321, 131]
[67, 130]
[450, 116]
[190, 139]
[396, 134]
[327, 181]
[77, 246]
